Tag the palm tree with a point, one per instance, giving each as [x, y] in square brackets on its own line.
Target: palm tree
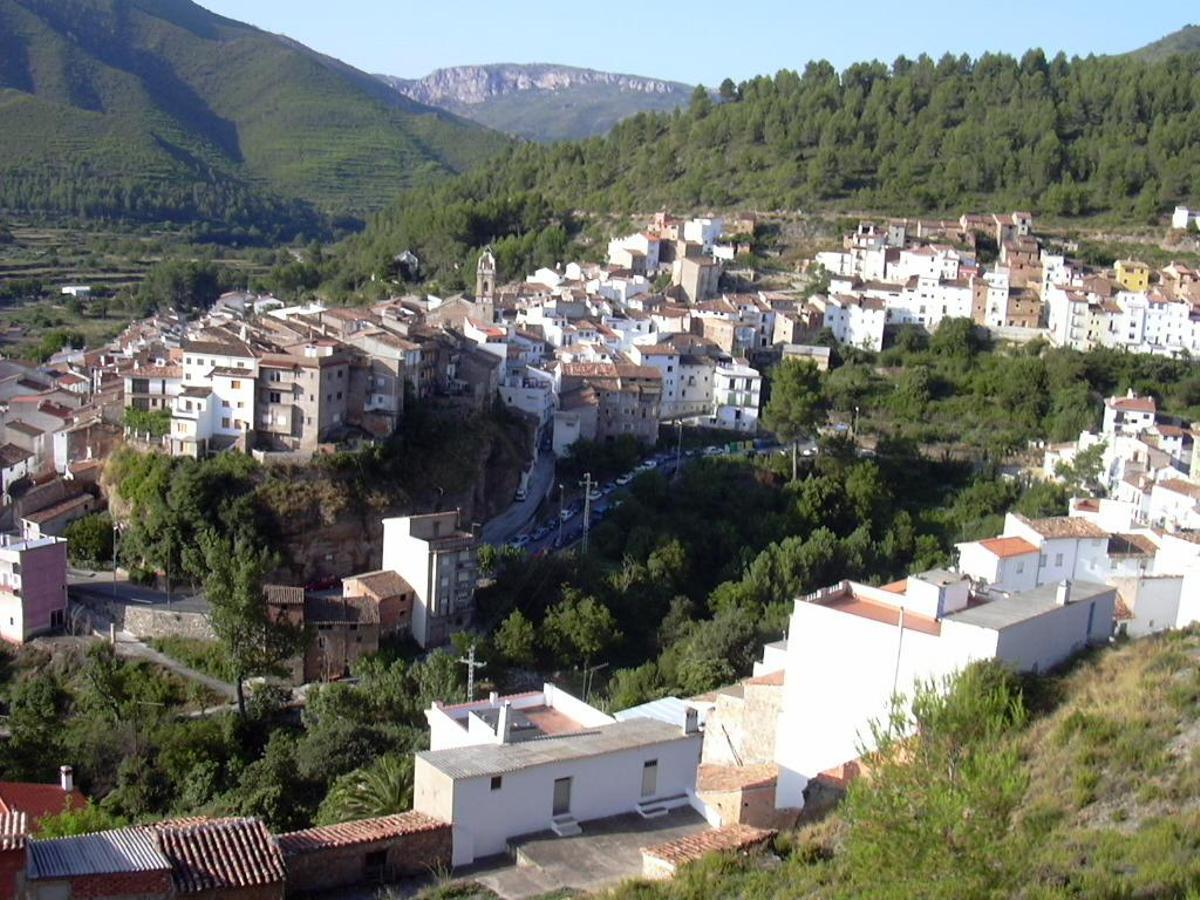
[383, 788]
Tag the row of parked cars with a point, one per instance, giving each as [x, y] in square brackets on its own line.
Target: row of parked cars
[569, 513]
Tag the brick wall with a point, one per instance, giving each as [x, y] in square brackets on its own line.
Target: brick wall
[341, 867]
[11, 862]
[127, 886]
[259, 892]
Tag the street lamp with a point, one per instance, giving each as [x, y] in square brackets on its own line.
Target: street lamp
[678, 445]
[854, 427]
[116, 529]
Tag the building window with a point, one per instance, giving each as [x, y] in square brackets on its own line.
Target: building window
[339, 395]
[235, 384]
[225, 423]
[275, 397]
[497, 782]
[1020, 567]
[1058, 559]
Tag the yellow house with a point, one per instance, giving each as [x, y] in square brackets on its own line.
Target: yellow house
[1132, 275]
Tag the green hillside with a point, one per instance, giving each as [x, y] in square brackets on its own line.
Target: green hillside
[1081, 785]
[1062, 137]
[1185, 40]
[158, 109]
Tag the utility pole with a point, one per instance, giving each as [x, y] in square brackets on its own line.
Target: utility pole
[587, 508]
[678, 446]
[561, 491]
[116, 535]
[472, 665]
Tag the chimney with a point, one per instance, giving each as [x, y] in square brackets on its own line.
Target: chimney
[691, 720]
[493, 697]
[67, 778]
[504, 723]
[1063, 595]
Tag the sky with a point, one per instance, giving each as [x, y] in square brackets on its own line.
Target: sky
[708, 40]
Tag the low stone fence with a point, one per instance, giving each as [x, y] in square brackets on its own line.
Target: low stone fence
[150, 622]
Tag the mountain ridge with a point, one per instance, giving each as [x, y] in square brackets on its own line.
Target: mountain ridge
[162, 110]
[1184, 40]
[542, 101]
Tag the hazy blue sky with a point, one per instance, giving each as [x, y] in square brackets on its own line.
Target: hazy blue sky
[705, 41]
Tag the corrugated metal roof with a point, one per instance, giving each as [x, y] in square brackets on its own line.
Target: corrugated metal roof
[103, 853]
[496, 759]
[233, 853]
[364, 831]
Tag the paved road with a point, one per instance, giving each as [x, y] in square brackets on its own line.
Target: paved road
[509, 523]
[99, 586]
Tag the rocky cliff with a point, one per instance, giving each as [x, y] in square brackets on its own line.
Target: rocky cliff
[542, 101]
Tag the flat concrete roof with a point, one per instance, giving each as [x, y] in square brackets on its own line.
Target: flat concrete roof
[496, 759]
[1015, 608]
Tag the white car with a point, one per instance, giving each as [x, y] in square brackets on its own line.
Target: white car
[595, 495]
[567, 515]
[647, 466]
[623, 480]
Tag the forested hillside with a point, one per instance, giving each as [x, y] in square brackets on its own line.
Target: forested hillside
[161, 110]
[1058, 136]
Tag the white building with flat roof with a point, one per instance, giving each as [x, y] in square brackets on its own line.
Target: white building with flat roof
[440, 560]
[545, 761]
[851, 648]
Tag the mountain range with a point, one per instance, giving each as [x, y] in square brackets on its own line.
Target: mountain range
[160, 109]
[542, 102]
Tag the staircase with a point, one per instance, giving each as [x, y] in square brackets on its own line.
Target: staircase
[661, 806]
[565, 825]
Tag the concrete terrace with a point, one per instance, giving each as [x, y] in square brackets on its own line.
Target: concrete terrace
[608, 852]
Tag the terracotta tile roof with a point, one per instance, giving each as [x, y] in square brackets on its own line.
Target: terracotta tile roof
[283, 595]
[1133, 404]
[382, 583]
[156, 372]
[1065, 527]
[1004, 547]
[696, 846]
[364, 831]
[25, 428]
[11, 454]
[771, 679]
[42, 516]
[895, 587]
[1179, 486]
[225, 855]
[720, 778]
[37, 800]
[14, 829]
[1131, 545]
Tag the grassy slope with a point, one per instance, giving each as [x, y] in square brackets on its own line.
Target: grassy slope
[165, 91]
[1112, 807]
[1185, 40]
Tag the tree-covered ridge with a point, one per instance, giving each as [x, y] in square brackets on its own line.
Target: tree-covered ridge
[1059, 135]
[162, 110]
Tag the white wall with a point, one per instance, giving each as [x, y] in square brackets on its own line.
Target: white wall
[1154, 602]
[1045, 641]
[606, 785]
[841, 672]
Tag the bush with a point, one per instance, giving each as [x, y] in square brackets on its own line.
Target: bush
[90, 540]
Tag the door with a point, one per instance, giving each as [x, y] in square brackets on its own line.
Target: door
[650, 778]
[562, 796]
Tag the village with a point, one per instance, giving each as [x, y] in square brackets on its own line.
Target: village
[594, 352]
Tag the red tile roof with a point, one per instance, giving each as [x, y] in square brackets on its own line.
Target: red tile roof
[225, 855]
[38, 800]
[1004, 547]
[364, 831]
[696, 846]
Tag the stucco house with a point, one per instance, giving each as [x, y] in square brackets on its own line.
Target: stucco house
[546, 761]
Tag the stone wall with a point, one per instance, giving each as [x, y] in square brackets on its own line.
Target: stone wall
[147, 622]
[333, 868]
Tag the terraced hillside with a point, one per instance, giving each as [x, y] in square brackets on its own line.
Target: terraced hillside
[159, 109]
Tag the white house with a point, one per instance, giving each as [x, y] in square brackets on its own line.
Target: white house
[1175, 505]
[1183, 218]
[736, 397]
[858, 321]
[851, 648]
[547, 761]
[440, 560]
[1130, 414]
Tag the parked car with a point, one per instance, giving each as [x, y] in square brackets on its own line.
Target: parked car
[568, 514]
[623, 480]
[608, 488]
[522, 540]
[647, 465]
[595, 494]
[713, 451]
